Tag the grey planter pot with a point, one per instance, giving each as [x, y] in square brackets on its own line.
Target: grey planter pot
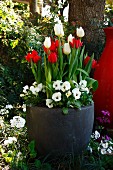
[55, 132]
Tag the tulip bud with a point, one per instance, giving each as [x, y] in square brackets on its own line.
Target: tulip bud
[70, 38]
[66, 48]
[47, 42]
[58, 28]
[80, 32]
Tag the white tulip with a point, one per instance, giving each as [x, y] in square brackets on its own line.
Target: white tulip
[47, 42]
[80, 32]
[66, 49]
[58, 28]
[70, 38]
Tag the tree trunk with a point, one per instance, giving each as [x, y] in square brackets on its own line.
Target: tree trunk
[89, 13]
[33, 6]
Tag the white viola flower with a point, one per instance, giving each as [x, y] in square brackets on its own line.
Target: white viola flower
[33, 90]
[35, 83]
[40, 86]
[85, 90]
[57, 85]
[109, 150]
[104, 145]
[66, 49]
[6, 142]
[70, 38]
[97, 134]
[75, 83]
[25, 88]
[68, 93]
[103, 151]
[83, 83]
[56, 96]
[17, 121]
[58, 28]
[9, 106]
[49, 103]
[47, 42]
[43, 88]
[80, 32]
[65, 86]
[76, 93]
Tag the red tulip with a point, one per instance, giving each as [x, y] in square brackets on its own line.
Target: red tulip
[34, 56]
[76, 43]
[94, 62]
[52, 58]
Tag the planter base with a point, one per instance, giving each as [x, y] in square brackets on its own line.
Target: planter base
[56, 133]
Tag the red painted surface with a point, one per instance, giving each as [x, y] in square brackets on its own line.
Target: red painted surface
[103, 97]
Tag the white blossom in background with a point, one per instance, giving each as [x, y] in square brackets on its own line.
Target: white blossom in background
[57, 84]
[1, 122]
[24, 107]
[9, 106]
[18, 122]
[49, 103]
[4, 111]
[65, 86]
[10, 140]
[56, 96]
[76, 93]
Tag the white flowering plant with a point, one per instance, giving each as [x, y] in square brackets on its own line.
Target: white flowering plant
[62, 77]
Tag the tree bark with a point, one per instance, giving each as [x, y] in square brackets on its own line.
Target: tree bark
[89, 13]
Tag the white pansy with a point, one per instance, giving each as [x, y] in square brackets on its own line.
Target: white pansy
[57, 85]
[66, 49]
[75, 83]
[85, 89]
[47, 42]
[35, 83]
[80, 32]
[83, 83]
[58, 28]
[34, 90]
[56, 96]
[22, 95]
[65, 86]
[97, 134]
[40, 86]
[9, 106]
[68, 93]
[70, 38]
[109, 150]
[76, 93]
[49, 103]
[103, 151]
[25, 88]
[43, 89]
[104, 145]
[17, 121]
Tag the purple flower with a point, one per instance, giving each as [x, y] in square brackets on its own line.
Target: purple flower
[105, 113]
[107, 137]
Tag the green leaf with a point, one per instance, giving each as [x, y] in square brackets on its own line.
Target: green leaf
[31, 147]
[92, 83]
[65, 110]
[38, 163]
[77, 104]
[83, 71]
[89, 65]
